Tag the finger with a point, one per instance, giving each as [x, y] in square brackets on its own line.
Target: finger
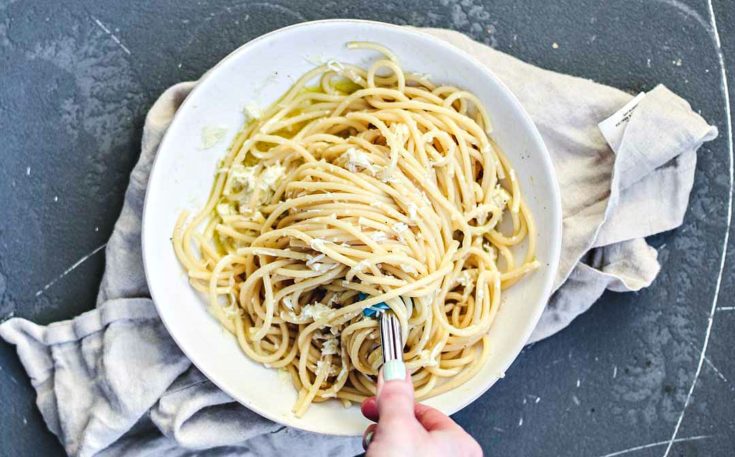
[459, 441]
[396, 372]
[395, 393]
[369, 408]
[434, 420]
[367, 435]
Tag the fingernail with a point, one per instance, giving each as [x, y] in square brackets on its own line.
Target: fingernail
[367, 440]
[394, 370]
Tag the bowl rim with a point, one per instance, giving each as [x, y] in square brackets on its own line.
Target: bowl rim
[554, 200]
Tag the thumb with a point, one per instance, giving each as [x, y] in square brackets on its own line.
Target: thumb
[395, 393]
[434, 420]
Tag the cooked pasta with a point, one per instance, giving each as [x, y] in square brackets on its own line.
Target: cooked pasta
[368, 186]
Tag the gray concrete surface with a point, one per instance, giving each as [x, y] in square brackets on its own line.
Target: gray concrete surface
[624, 379]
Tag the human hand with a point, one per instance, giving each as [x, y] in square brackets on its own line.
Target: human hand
[405, 428]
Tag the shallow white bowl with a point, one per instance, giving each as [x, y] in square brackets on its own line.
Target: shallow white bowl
[183, 174]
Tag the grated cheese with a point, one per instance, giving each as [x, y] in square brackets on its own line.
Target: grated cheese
[378, 236]
[252, 111]
[330, 346]
[272, 175]
[356, 159]
[211, 135]
[317, 244]
[243, 176]
[361, 265]
[400, 227]
[224, 209]
[412, 211]
[316, 311]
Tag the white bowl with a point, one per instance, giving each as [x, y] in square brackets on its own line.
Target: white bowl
[182, 176]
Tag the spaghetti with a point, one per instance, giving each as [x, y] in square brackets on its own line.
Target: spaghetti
[375, 185]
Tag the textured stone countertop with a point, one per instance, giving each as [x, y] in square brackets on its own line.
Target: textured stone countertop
[627, 378]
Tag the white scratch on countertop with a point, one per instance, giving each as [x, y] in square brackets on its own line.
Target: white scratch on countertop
[112, 35]
[579, 382]
[726, 308]
[714, 368]
[576, 400]
[28, 171]
[688, 11]
[40, 291]
[615, 371]
[520, 421]
[726, 237]
[656, 444]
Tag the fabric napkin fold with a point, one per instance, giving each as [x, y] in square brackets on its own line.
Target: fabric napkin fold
[112, 382]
